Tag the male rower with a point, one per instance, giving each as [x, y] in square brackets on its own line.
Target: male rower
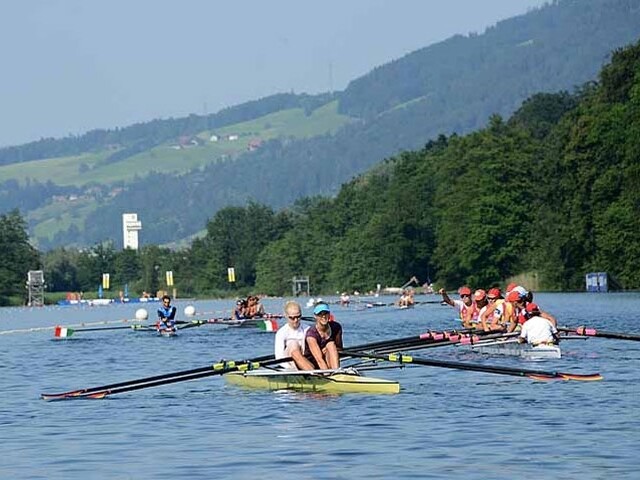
[537, 330]
[323, 340]
[166, 316]
[290, 339]
[520, 298]
[464, 305]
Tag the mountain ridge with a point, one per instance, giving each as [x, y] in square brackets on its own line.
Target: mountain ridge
[453, 86]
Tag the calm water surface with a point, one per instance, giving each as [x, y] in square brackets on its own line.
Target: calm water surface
[443, 424]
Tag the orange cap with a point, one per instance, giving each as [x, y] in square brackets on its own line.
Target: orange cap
[464, 290]
[479, 294]
[514, 296]
[494, 293]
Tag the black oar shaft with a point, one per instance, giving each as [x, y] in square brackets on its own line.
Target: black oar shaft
[592, 332]
[211, 371]
[518, 372]
[97, 329]
[150, 380]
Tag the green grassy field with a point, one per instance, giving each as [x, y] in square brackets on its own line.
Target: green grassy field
[82, 169]
[57, 217]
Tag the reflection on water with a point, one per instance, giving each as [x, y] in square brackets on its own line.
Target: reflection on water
[443, 424]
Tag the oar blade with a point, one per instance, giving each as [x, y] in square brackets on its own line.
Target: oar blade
[543, 378]
[268, 325]
[51, 397]
[589, 377]
[62, 332]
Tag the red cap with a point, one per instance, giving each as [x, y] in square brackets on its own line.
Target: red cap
[514, 296]
[479, 294]
[511, 286]
[494, 293]
[464, 291]
[532, 308]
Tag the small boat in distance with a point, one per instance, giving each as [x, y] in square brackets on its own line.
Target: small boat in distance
[105, 301]
[313, 381]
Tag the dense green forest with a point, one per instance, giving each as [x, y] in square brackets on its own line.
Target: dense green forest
[552, 191]
[449, 88]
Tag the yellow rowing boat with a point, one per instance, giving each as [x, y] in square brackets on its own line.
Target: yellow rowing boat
[317, 381]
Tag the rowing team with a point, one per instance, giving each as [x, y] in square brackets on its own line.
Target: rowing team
[311, 348]
[515, 311]
[248, 308]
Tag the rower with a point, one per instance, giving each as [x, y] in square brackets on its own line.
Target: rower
[344, 299]
[166, 316]
[464, 305]
[480, 305]
[499, 314]
[323, 340]
[254, 308]
[537, 330]
[406, 299]
[520, 298]
[239, 311]
[290, 339]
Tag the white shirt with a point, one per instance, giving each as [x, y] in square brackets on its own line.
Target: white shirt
[538, 330]
[286, 334]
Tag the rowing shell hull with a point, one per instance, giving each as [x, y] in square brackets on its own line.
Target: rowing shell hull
[523, 350]
[334, 383]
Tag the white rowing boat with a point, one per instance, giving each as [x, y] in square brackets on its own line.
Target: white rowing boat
[512, 348]
[316, 381]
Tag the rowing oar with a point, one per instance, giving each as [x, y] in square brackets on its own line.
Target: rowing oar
[448, 338]
[467, 336]
[219, 368]
[592, 332]
[517, 372]
[65, 332]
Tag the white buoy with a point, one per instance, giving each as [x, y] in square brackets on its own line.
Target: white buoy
[189, 310]
[142, 314]
[310, 302]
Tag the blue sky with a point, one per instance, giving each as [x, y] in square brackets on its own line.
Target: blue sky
[70, 66]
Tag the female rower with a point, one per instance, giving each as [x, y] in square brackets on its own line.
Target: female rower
[499, 314]
[520, 298]
[254, 308]
[324, 339]
[240, 310]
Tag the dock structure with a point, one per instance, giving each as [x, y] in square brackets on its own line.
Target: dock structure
[35, 287]
[300, 286]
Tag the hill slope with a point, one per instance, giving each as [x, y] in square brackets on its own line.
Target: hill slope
[453, 86]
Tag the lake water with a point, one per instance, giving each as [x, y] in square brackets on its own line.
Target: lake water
[443, 424]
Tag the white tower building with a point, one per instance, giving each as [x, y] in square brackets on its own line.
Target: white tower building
[130, 227]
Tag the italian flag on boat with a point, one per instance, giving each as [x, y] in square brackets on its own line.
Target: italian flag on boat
[268, 325]
[62, 332]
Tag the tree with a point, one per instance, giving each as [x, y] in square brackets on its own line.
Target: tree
[18, 256]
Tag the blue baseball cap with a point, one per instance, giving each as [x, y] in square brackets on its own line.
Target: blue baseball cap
[321, 307]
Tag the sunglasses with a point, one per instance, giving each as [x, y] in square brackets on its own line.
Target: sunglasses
[294, 317]
[462, 295]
